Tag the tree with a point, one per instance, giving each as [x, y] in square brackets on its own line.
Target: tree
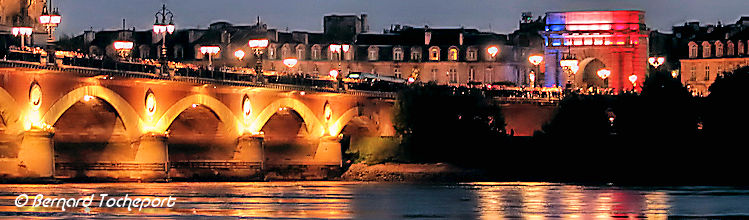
[445, 124]
[724, 115]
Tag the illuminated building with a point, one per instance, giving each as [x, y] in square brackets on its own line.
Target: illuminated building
[616, 40]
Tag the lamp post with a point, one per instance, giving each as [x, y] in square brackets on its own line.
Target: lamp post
[604, 74]
[633, 80]
[257, 46]
[492, 50]
[123, 48]
[340, 50]
[290, 63]
[536, 60]
[532, 78]
[656, 61]
[239, 54]
[570, 66]
[24, 32]
[160, 26]
[50, 19]
[210, 51]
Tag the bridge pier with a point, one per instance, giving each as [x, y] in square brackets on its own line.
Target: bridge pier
[37, 154]
[250, 149]
[153, 153]
[329, 151]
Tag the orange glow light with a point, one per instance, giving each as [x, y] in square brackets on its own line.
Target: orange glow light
[536, 59]
[492, 50]
[604, 73]
[290, 62]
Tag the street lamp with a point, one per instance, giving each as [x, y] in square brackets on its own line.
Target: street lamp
[164, 28]
[656, 61]
[290, 63]
[335, 48]
[210, 51]
[532, 78]
[239, 54]
[492, 50]
[123, 48]
[50, 20]
[570, 65]
[535, 60]
[633, 80]
[23, 32]
[604, 74]
[675, 73]
[257, 46]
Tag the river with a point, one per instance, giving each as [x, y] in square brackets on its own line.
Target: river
[358, 200]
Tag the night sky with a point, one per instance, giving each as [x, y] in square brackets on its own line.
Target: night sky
[495, 15]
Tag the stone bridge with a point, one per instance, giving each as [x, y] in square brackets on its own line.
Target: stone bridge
[87, 123]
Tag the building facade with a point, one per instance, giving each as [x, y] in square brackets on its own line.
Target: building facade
[710, 51]
[454, 56]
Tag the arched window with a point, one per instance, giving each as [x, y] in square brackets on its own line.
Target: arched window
[452, 54]
[706, 49]
[471, 74]
[285, 51]
[397, 72]
[300, 49]
[415, 53]
[434, 53]
[316, 52]
[731, 49]
[741, 48]
[693, 50]
[398, 54]
[718, 49]
[373, 53]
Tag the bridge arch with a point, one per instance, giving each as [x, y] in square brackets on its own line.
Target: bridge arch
[342, 121]
[314, 126]
[231, 122]
[9, 111]
[130, 118]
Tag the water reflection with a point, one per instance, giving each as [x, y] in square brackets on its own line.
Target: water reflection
[347, 200]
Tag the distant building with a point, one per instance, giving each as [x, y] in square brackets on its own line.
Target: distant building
[708, 51]
[454, 56]
[20, 13]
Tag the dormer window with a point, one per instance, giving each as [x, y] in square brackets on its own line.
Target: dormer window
[316, 52]
[415, 54]
[434, 53]
[706, 49]
[285, 51]
[718, 49]
[300, 52]
[472, 54]
[398, 54]
[693, 50]
[373, 53]
[272, 52]
[731, 48]
[452, 54]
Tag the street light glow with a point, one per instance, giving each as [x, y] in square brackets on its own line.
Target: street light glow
[333, 73]
[492, 50]
[210, 49]
[604, 73]
[24, 31]
[656, 61]
[536, 59]
[290, 62]
[239, 54]
[123, 45]
[258, 43]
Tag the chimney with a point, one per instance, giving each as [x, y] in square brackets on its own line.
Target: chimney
[460, 39]
[427, 37]
[364, 23]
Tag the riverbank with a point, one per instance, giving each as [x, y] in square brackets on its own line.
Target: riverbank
[396, 172]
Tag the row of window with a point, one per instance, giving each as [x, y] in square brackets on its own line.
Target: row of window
[729, 47]
[373, 53]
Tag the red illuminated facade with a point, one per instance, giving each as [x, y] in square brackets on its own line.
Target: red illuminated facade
[615, 40]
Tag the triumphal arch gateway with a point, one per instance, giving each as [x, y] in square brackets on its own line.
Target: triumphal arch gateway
[586, 42]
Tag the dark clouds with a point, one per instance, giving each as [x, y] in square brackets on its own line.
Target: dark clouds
[499, 15]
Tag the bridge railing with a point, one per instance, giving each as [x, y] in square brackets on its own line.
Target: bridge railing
[312, 85]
